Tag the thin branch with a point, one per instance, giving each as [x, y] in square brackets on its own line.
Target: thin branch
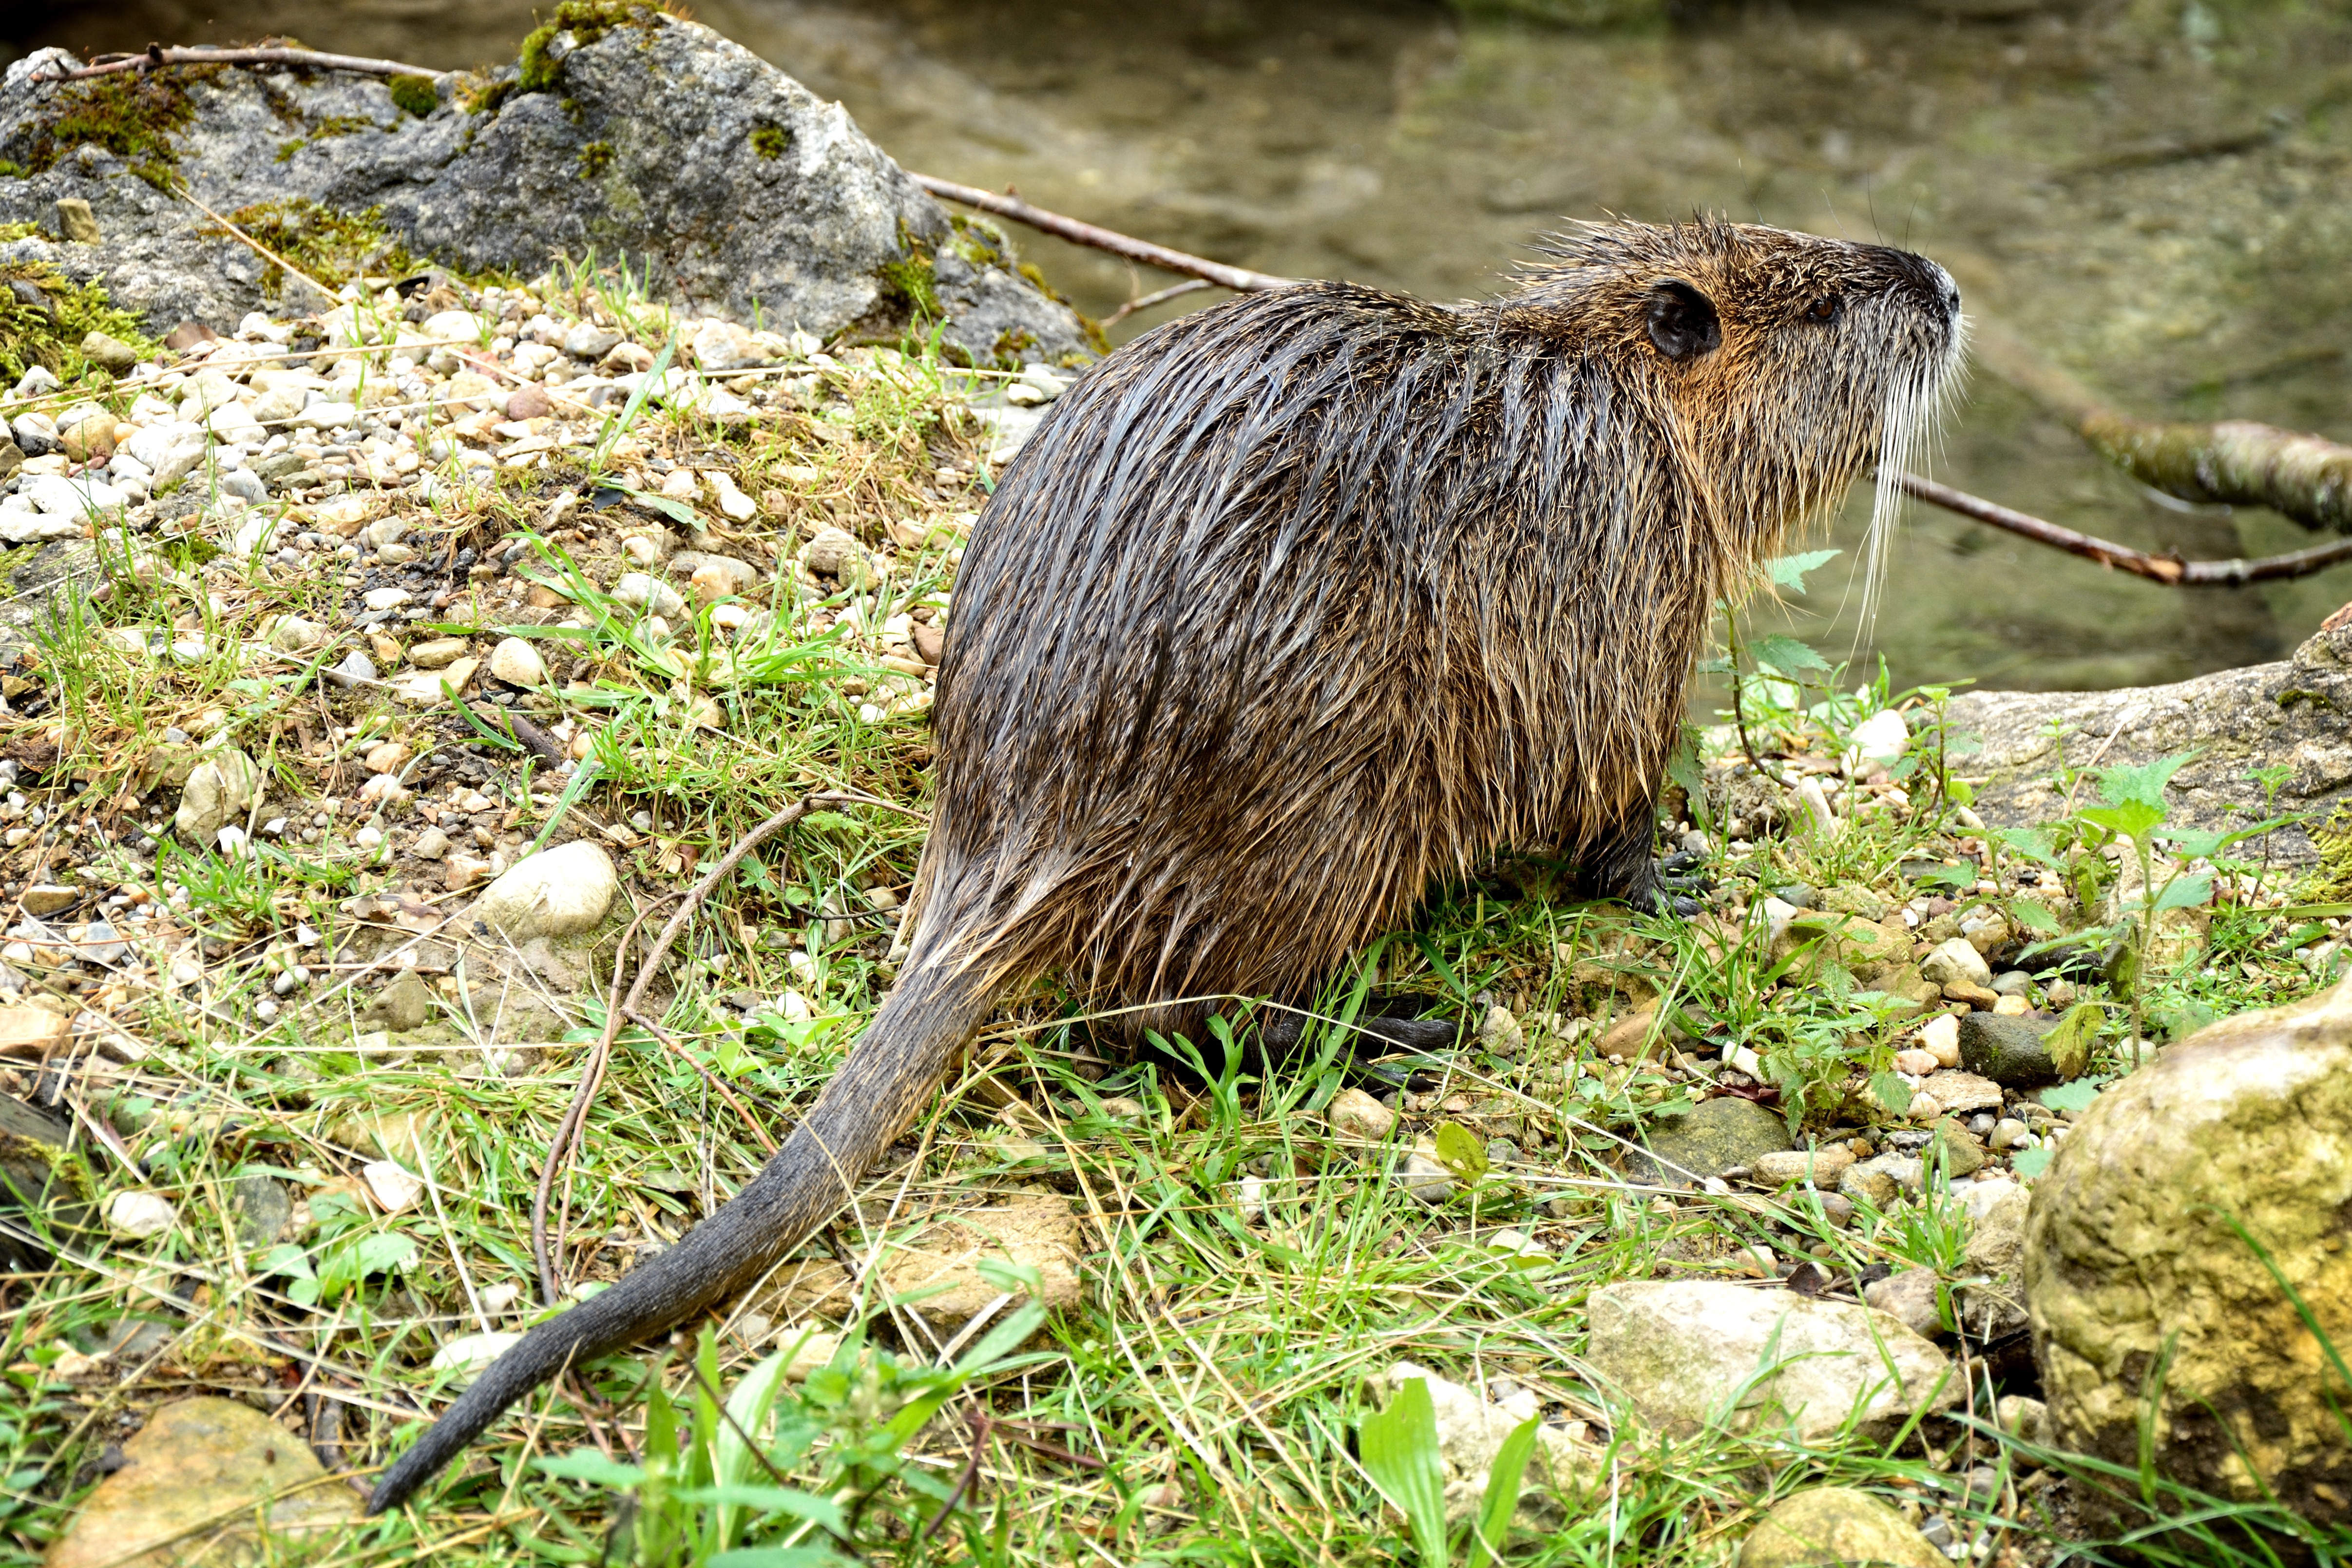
[2168, 570]
[1157, 297]
[1241, 280]
[157, 57]
[180, 189]
[2235, 462]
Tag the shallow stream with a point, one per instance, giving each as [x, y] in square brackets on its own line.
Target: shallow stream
[2157, 194]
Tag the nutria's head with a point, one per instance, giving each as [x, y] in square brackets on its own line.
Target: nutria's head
[1784, 364]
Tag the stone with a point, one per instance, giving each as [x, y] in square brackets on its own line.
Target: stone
[2237, 722]
[139, 1215]
[293, 634]
[221, 789]
[392, 1185]
[1692, 1353]
[430, 844]
[1034, 1230]
[385, 757]
[216, 1467]
[439, 654]
[528, 402]
[717, 578]
[517, 662]
[2132, 1256]
[1909, 1295]
[590, 341]
[403, 1004]
[32, 1032]
[1871, 1183]
[49, 898]
[1499, 1032]
[1992, 1301]
[261, 1208]
[428, 687]
[1963, 1092]
[640, 591]
[556, 893]
[1822, 1167]
[1471, 1431]
[2010, 1051]
[1939, 1036]
[385, 598]
[834, 552]
[1956, 961]
[77, 224]
[1823, 1527]
[724, 348]
[1352, 1113]
[114, 355]
[1962, 1155]
[1424, 1176]
[464, 1357]
[1718, 1135]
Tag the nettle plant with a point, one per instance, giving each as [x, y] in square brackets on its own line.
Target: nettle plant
[2132, 823]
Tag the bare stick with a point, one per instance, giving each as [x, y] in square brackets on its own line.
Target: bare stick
[2171, 571]
[2235, 461]
[1157, 297]
[1241, 280]
[180, 189]
[157, 55]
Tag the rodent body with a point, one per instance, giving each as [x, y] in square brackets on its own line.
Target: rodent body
[1295, 604]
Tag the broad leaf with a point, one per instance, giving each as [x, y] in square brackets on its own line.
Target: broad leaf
[2132, 818]
[2077, 1095]
[1459, 1151]
[1787, 655]
[1789, 571]
[1398, 1447]
[588, 1465]
[2034, 917]
[2143, 785]
[1503, 1489]
[1889, 1089]
[2184, 893]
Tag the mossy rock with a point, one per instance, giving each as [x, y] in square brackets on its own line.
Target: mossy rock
[1718, 1135]
[1826, 1527]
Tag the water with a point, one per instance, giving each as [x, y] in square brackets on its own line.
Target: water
[2152, 192]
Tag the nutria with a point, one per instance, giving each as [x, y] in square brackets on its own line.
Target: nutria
[1295, 604]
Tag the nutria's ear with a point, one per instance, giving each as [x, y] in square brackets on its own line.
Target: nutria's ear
[1681, 321]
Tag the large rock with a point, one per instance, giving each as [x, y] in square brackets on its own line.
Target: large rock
[1693, 1355]
[203, 1481]
[1720, 1134]
[1837, 1525]
[2135, 1271]
[1471, 1431]
[2235, 721]
[656, 140]
[556, 893]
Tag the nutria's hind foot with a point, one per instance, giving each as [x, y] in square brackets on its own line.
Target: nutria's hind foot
[1371, 1040]
[1673, 886]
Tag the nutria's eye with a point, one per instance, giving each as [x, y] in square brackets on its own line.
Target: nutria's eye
[1824, 309]
[1681, 321]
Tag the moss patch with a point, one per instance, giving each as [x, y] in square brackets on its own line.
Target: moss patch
[586, 21]
[416, 94]
[770, 141]
[131, 115]
[333, 247]
[333, 125]
[49, 333]
[594, 159]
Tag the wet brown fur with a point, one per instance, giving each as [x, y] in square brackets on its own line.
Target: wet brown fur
[1296, 604]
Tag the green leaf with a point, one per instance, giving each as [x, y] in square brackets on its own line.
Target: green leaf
[1788, 571]
[1459, 1151]
[2077, 1095]
[2144, 784]
[1398, 1447]
[2034, 917]
[669, 507]
[1889, 1089]
[1787, 655]
[2036, 844]
[1012, 1278]
[384, 1252]
[2133, 818]
[2030, 1162]
[289, 1260]
[778, 1557]
[823, 1512]
[588, 1466]
[2184, 893]
[1503, 1488]
[2069, 1044]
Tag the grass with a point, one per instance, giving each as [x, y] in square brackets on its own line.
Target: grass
[1242, 1271]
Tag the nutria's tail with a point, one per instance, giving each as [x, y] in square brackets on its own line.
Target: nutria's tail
[887, 1078]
